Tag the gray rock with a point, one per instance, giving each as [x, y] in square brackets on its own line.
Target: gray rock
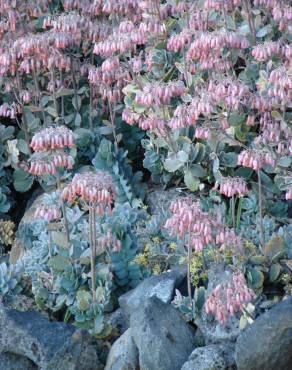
[18, 247]
[158, 199]
[212, 357]
[163, 338]
[267, 343]
[123, 354]
[11, 361]
[117, 321]
[49, 345]
[161, 286]
[212, 330]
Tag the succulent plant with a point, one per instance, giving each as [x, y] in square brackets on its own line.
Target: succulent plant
[10, 280]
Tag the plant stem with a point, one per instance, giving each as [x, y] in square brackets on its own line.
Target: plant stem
[62, 98]
[112, 120]
[225, 18]
[54, 92]
[24, 125]
[90, 107]
[250, 19]
[39, 95]
[91, 98]
[74, 86]
[94, 232]
[262, 241]
[189, 271]
[66, 225]
[92, 258]
[233, 212]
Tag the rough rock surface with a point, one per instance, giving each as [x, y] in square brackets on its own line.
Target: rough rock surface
[163, 338]
[18, 247]
[49, 345]
[10, 361]
[123, 354]
[158, 200]
[161, 286]
[212, 357]
[212, 330]
[267, 343]
[117, 321]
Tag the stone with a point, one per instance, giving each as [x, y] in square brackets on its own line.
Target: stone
[158, 199]
[18, 247]
[11, 361]
[117, 321]
[161, 286]
[212, 357]
[123, 354]
[267, 343]
[49, 345]
[163, 338]
[212, 330]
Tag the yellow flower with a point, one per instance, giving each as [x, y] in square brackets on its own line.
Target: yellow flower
[156, 269]
[173, 246]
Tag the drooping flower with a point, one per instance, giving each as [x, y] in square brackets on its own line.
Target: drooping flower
[52, 138]
[229, 298]
[47, 213]
[231, 186]
[94, 189]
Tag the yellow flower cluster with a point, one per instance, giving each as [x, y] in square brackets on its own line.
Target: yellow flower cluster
[6, 232]
[197, 269]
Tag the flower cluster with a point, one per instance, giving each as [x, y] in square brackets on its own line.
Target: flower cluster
[280, 85]
[188, 114]
[207, 49]
[49, 166]
[179, 41]
[203, 133]
[229, 90]
[231, 186]
[159, 93]
[52, 138]
[94, 189]
[288, 195]
[265, 51]
[275, 134]
[255, 159]
[229, 298]
[109, 81]
[107, 241]
[219, 5]
[201, 228]
[10, 111]
[47, 213]
[49, 145]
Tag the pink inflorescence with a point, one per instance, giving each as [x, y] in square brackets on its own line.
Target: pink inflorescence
[10, 111]
[109, 240]
[288, 195]
[218, 5]
[52, 138]
[160, 93]
[179, 41]
[255, 159]
[229, 298]
[49, 167]
[202, 228]
[47, 213]
[202, 133]
[206, 49]
[231, 186]
[94, 189]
